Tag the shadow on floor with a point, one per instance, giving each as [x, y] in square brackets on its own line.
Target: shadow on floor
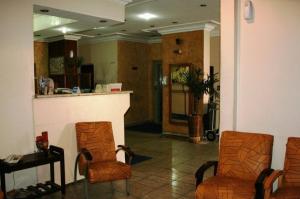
[147, 127]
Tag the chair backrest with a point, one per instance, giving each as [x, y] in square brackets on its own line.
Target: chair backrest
[98, 138]
[292, 162]
[244, 155]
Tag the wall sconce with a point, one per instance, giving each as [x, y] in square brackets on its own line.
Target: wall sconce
[178, 51]
[71, 54]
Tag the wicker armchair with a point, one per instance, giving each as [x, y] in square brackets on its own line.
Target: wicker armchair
[244, 161]
[97, 155]
[289, 177]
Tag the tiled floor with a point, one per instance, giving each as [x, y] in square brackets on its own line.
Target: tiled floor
[169, 174]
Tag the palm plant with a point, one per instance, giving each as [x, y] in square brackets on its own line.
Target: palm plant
[198, 85]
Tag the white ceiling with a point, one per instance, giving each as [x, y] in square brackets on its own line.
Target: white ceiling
[168, 12]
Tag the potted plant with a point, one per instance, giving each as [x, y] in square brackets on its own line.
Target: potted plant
[198, 86]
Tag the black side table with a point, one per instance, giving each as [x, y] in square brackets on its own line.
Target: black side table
[55, 154]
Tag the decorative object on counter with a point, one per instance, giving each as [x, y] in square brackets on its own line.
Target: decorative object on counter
[76, 90]
[108, 87]
[193, 77]
[63, 91]
[46, 86]
[42, 142]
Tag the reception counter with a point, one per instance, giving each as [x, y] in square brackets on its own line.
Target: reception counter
[58, 114]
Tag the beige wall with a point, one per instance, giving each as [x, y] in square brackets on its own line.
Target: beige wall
[266, 84]
[17, 72]
[104, 56]
[84, 51]
[130, 55]
[215, 61]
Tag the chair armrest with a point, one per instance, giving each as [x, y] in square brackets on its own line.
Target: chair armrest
[127, 151]
[259, 184]
[200, 172]
[56, 150]
[87, 156]
[268, 184]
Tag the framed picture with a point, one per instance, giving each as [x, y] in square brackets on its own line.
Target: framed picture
[56, 66]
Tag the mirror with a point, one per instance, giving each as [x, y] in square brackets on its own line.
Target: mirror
[180, 100]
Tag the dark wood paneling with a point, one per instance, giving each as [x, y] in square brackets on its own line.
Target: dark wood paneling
[63, 48]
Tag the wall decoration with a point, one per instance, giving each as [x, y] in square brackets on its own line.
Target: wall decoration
[56, 66]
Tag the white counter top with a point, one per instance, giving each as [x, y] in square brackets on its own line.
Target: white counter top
[82, 94]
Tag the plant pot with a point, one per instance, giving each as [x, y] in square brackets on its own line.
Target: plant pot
[195, 128]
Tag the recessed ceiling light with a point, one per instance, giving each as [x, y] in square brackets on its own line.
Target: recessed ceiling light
[44, 10]
[64, 29]
[203, 5]
[103, 21]
[97, 28]
[147, 16]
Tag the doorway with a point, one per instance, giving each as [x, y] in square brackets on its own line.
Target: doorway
[157, 91]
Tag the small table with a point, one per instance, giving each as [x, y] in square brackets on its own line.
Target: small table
[55, 154]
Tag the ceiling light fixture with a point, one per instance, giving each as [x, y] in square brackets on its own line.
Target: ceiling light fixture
[147, 16]
[97, 28]
[64, 29]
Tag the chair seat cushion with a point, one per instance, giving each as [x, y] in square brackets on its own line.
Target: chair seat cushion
[287, 193]
[108, 171]
[219, 187]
